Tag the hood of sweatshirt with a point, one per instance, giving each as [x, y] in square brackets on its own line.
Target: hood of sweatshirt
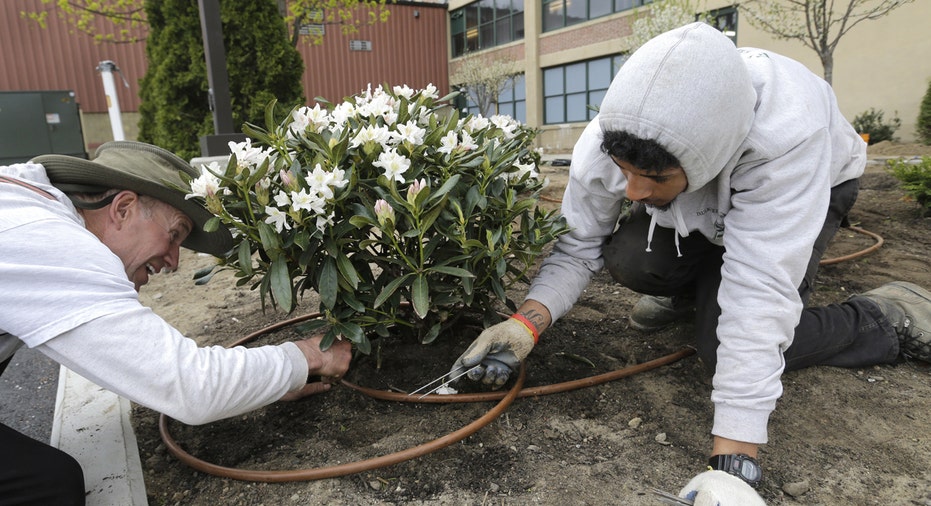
[689, 90]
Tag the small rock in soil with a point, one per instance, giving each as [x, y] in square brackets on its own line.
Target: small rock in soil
[797, 488]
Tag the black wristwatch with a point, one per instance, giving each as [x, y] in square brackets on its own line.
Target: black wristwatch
[742, 466]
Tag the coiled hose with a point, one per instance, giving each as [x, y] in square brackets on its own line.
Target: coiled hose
[504, 401]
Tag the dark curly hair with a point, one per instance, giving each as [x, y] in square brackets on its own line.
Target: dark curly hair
[645, 154]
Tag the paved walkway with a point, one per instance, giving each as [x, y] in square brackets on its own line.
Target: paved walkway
[77, 416]
[93, 425]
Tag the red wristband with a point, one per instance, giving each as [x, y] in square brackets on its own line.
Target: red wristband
[530, 327]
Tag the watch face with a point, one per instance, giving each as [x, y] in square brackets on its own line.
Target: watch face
[749, 471]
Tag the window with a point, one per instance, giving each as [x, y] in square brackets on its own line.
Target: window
[570, 92]
[561, 13]
[484, 24]
[726, 21]
[512, 101]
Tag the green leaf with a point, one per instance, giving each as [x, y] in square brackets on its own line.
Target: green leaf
[329, 284]
[431, 334]
[350, 331]
[347, 270]
[269, 237]
[453, 271]
[474, 198]
[364, 345]
[389, 290]
[428, 219]
[328, 339]
[245, 258]
[447, 186]
[473, 243]
[270, 114]
[302, 240]
[420, 296]
[498, 288]
[311, 326]
[259, 173]
[212, 225]
[350, 300]
[362, 221]
[203, 275]
[280, 279]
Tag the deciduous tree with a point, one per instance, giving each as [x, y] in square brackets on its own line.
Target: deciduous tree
[662, 16]
[482, 79]
[126, 20]
[818, 24]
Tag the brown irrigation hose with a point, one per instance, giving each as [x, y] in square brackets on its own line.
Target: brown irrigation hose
[864, 252]
[320, 473]
[527, 392]
[506, 398]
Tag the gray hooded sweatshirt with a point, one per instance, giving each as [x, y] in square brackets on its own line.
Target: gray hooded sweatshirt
[761, 141]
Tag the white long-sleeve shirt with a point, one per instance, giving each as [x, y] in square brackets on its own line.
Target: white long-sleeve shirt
[64, 293]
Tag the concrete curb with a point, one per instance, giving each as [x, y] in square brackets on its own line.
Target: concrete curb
[93, 425]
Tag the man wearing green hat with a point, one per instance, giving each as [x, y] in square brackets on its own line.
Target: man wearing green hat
[78, 238]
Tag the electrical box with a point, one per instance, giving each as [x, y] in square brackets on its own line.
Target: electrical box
[34, 123]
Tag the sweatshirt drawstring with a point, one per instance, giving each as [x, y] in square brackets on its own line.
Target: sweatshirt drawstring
[680, 228]
[650, 232]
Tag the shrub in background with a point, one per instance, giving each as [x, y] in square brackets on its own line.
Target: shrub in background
[916, 179]
[400, 214]
[871, 122]
[923, 125]
[261, 63]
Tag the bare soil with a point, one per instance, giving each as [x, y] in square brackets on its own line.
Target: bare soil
[838, 436]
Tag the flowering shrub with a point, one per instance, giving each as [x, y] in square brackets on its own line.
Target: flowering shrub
[398, 213]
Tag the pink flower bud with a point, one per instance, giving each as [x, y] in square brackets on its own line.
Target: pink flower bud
[416, 186]
[384, 212]
[287, 179]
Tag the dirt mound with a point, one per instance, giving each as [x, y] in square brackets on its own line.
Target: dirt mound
[889, 148]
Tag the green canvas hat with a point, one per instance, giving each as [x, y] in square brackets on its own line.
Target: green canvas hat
[146, 170]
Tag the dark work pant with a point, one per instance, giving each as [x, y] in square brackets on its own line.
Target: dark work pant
[853, 333]
[34, 473]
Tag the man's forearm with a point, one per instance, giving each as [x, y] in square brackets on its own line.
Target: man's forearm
[537, 314]
[724, 446]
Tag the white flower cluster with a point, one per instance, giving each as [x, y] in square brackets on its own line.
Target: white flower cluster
[370, 120]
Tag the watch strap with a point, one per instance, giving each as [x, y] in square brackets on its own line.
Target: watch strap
[733, 464]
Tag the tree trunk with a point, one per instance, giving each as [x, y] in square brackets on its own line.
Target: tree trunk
[827, 61]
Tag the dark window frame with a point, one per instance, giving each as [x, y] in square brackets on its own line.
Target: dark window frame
[563, 93]
[556, 15]
[485, 24]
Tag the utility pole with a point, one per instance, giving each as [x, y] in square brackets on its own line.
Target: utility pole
[106, 69]
[218, 82]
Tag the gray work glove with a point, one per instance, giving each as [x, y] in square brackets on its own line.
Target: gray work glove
[498, 352]
[718, 488]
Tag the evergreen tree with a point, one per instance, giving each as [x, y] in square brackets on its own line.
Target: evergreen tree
[261, 62]
[923, 124]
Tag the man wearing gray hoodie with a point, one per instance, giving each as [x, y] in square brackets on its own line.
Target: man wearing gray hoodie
[741, 168]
